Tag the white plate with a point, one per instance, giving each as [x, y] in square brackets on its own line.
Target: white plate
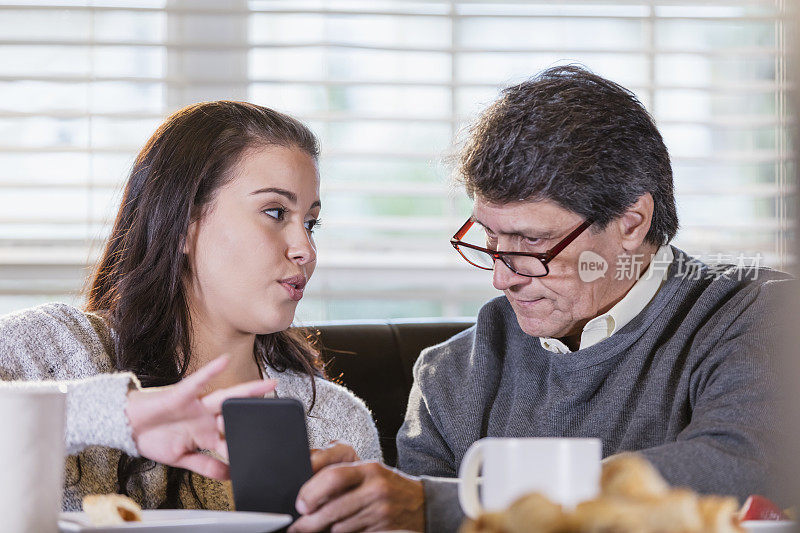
[175, 520]
[769, 526]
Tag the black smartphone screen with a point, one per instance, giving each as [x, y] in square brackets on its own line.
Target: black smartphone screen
[268, 452]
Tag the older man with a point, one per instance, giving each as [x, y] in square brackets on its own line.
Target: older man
[604, 330]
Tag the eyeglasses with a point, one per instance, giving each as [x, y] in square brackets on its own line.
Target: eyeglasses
[529, 264]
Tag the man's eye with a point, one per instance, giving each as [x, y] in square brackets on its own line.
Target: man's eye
[312, 224]
[276, 212]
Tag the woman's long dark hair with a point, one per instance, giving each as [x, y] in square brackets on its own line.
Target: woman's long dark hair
[138, 286]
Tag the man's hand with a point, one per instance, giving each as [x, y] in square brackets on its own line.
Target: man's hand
[361, 496]
[335, 452]
[170, 425]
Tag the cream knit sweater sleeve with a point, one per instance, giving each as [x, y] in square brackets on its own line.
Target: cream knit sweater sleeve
[55, 344]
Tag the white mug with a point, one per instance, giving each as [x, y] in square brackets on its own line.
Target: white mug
[567, 471]
[31, 458]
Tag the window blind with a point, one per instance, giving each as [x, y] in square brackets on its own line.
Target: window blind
[389, 87]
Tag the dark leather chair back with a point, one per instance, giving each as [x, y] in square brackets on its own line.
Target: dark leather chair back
[374, 360]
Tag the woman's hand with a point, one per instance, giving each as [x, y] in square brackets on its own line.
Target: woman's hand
[170, 425]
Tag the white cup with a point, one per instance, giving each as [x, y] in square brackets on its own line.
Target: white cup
[31, 458]
[567, 471]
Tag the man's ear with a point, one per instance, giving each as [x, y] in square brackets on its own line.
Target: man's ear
[635, 222]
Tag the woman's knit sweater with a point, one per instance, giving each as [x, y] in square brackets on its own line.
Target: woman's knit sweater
[57, 342]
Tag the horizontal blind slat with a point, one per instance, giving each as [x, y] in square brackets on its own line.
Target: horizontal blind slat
[726, 121]
[733, 157]
[455, 15]
[738, 87]
[734, 51]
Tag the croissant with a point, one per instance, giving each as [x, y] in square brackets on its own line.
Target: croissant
[111, 509]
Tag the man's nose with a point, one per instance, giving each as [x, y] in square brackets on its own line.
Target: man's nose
[504, 278]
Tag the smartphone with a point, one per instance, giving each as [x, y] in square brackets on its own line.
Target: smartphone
[268, 452]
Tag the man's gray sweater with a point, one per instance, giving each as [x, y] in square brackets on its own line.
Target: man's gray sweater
[687, 383]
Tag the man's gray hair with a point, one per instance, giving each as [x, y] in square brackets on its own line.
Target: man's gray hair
[577, 139]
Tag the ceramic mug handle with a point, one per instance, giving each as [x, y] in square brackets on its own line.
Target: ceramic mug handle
[468, 475]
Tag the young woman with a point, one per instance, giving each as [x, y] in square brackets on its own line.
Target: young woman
[210, 253]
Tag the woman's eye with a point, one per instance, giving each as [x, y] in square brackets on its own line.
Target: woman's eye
[312, 224]
[276, 212]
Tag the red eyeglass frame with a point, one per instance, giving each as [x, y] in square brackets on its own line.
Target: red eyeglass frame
[544, 257]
